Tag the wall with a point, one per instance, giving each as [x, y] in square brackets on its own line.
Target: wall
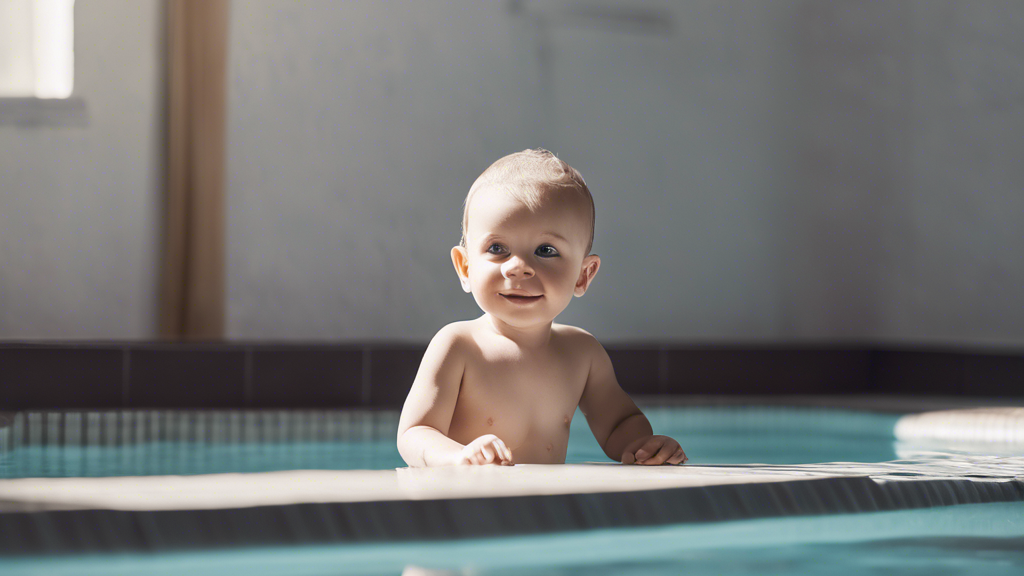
[763, 171]
[960, 264]
[908, 211]
[79, 203]
[354, 136]
[795, 171]
[353, 128]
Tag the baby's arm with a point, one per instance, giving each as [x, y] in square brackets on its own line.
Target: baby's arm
[427, 415]
[619, 426]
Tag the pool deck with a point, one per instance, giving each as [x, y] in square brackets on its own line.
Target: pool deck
[220, 491]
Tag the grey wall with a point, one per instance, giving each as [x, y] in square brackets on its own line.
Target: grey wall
[763, 171]
[79, 204]
[354, 136]
[907, 218]
[960, 268]
[353, 128]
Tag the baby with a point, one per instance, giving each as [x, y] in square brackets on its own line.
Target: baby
[503, 388]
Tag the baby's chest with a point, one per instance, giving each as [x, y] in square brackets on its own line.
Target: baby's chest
[516, 401]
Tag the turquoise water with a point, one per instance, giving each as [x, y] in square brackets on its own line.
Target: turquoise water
[115, 444]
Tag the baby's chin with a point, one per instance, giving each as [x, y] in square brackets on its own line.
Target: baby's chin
[522, 319]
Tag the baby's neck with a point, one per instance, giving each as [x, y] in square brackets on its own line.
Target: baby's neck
[525, 337]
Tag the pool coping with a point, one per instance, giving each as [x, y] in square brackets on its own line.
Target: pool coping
[106, 530]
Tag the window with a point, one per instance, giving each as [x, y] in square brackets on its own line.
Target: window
[37, 52]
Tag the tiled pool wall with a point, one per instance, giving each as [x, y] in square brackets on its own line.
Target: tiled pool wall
[118, 442]
[97, 375]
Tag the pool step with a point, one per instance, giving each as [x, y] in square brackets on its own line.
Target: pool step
[1004, 425]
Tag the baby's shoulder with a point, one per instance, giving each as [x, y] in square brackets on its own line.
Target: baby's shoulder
[575, 338]
[453, 344]
[454, 334]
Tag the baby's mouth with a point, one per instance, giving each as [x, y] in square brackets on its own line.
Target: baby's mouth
[521, 298]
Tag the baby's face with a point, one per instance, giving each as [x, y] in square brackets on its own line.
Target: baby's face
[523, 266]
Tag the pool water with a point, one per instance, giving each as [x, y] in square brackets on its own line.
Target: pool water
[159, 443]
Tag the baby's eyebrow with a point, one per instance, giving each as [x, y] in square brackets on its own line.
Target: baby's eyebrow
[492, 237]
[555, 235]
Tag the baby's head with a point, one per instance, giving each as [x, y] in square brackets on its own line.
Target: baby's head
[527, 231]
[527, 176]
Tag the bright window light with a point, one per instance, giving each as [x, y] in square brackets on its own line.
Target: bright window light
[37, 48]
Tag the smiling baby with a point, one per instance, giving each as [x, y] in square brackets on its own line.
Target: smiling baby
[503, 388]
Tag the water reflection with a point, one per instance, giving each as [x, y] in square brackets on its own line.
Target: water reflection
[918, 461]
[412, 570]
[957, 555]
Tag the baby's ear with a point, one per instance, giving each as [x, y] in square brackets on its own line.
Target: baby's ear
[591, 264]
[461, 261]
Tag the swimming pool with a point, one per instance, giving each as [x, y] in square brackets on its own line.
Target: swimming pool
[131, 443]
[838, 449]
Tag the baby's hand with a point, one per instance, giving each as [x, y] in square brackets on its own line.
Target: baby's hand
[653, 450]
[487, 449]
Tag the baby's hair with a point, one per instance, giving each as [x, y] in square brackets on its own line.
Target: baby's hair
[524, 175]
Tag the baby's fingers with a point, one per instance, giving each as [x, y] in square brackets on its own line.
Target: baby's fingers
[664, 453]
[504, 454]
[678, 457]
[650, 448]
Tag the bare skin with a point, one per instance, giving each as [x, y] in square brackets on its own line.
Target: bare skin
[502, 389]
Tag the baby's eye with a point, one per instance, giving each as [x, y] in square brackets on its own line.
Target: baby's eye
[495, 249]
[546, 251]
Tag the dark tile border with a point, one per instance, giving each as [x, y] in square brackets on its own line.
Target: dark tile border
[76, 375]
[44, 377]
[303, 377]
[186, 377]
[640, 370]
[392, 371]
[729, 370]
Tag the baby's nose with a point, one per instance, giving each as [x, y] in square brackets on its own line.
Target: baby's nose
[516, 267]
